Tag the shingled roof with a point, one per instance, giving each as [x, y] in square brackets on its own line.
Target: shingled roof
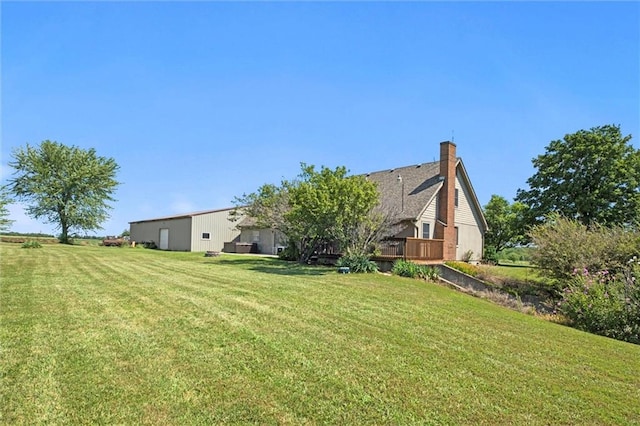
[407, 190]
[420, 183]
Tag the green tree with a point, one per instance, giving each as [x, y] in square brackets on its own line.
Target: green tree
[319, 207]
[266, 207]
[506, 223]
[592, 176]
[5, 222]
[327, 206]
[65, 186]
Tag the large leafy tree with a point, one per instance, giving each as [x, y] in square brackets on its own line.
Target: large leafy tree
[64, 185]
[319, 207]
[506, 223]
[592, 176]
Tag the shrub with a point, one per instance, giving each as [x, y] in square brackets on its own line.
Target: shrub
[406, 268]
[357, 263]
[290, 252]
[31, 244]
[513, 257]
[467, 268]
[466, 257]
[149, 244]
[604, 304]
[564, 245]
[490, 255]
[429, 273]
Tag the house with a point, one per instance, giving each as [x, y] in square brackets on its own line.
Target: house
[199, 231]
[433, 204]
[436, 202]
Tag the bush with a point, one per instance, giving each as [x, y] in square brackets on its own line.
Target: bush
[564, 245]
[429, 273]
[604, 304]
[490, 255]
[290, 252]
[464, 267]
[357, 263]
[149, 245]
[31, 244]
[405, 268]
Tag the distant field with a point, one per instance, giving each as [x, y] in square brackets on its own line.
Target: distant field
[19, 239]
[519, 271]
[133, 336]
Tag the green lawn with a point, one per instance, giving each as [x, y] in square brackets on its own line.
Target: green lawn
[123, 336]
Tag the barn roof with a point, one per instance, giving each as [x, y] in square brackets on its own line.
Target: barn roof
[183, 215]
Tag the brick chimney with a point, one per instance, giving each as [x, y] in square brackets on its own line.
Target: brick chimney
[445, 223]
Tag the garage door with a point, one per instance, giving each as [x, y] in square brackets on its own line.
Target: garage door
[164, 239]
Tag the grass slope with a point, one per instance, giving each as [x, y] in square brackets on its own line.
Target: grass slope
[108, 335]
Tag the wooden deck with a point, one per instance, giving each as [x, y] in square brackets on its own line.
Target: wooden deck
[418, 250]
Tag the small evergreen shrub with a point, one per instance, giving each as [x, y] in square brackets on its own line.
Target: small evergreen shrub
[357, 263]
[31, 244]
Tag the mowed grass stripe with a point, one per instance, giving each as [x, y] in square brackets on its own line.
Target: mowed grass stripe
[165, 338]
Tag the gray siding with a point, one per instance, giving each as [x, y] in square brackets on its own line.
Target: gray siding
[219, 228]
[466, 219]
[428, 216]
[267, 239]
[469, 224]
[179, 232]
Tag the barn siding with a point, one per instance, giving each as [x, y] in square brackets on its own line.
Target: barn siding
[267, 239]
[185, 231]
[219, 227]
[179, 232]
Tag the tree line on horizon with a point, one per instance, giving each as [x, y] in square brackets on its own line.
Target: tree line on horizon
[591, 176]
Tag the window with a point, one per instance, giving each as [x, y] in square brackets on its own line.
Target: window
[457, 234]
[256, 236]
[425, 230]
[455, 198]
[206, 236]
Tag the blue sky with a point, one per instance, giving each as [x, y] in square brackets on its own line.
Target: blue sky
[200, 102]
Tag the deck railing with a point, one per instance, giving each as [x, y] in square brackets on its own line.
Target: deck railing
[422, 249]
[413, 249]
